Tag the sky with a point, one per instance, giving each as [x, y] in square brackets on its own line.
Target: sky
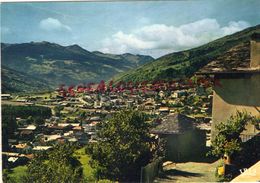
[140, 27]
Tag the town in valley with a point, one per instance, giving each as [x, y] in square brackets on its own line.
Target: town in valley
[158, 102]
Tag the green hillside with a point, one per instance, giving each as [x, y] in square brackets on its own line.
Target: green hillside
[56, 65]
[14, 81]
[186, 63]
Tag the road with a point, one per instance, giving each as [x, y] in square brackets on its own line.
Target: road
[189, 172]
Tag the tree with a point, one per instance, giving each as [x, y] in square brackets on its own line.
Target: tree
[9, 126]
[58, 166]
[57, 110]
[29, 120]
[124, 146]
[227, 140]
[6, 177]
[25, 111]
[38, 120]
[82, 115]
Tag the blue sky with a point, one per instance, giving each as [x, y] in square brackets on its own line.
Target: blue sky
[154, 27]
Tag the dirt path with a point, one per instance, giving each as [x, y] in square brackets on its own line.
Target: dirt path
[189, 172]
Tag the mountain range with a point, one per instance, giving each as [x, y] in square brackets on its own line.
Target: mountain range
[35, 66]
[38, 66]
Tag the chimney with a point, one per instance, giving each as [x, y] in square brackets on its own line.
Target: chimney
[255, 50]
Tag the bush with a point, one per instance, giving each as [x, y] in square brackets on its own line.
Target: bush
[227, 140]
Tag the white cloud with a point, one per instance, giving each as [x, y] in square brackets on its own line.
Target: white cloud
[160, 39]
[52, 24]
[234, 27]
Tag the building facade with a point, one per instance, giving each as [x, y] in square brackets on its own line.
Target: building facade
[237, 83]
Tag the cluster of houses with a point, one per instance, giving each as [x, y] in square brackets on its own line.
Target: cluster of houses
[98, 107]
[32, 139]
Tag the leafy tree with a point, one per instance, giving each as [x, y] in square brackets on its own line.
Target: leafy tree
[124, 146]
[58, 166]
[38, 120]
[6, 177]
[29, 120]
[9, 126]
[26, 111]
[57, 110]
[227, 140]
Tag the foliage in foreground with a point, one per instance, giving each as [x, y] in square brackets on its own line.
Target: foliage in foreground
[228, 140]
[124, 146]
[58, 166]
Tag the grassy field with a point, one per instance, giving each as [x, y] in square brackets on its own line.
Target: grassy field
[17, 173]
[84, 160]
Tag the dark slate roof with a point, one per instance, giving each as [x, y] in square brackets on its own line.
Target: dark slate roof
[174, 124]
[236, 59]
